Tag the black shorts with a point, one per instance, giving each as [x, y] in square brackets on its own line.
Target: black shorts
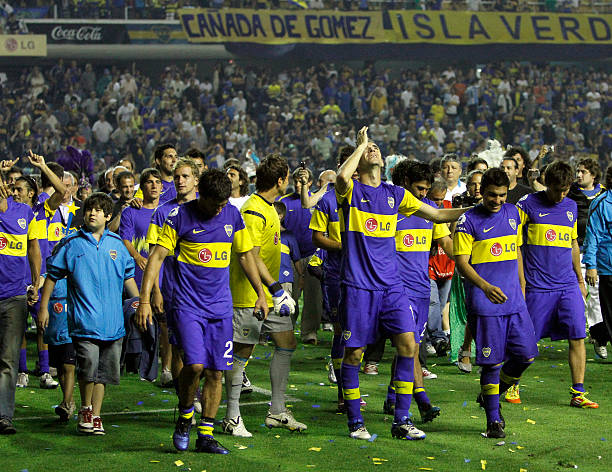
[61, 354]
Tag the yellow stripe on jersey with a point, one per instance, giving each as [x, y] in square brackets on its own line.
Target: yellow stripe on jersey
[550, 235]
[409, 204]
[440, 230]
[319, 221]
[524, 216]
[55, 231]
[36, 230]
[204, 254]
[413, 240]
[153, 233]
[315, 261]
[168, 238]
[285, 249]
[372, 224]
[14, 244]
[502, 248]
[242, 241]
[462, 244]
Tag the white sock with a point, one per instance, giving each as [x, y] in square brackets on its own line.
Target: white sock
[279, 376]
[233, 386]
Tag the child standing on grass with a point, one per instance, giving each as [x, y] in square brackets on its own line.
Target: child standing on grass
[97, 267]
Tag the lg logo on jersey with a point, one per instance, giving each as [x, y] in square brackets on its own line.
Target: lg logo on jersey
[409, 240]
[372, 225]
[551, 236]
[497, 249]
[205, 256]
[11, 245]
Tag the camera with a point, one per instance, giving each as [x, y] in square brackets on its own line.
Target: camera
[464, 200]
[302, 164]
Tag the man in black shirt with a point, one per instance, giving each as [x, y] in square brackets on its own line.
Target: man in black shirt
[516, 191]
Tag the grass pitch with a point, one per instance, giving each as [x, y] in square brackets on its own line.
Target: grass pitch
[543, 433]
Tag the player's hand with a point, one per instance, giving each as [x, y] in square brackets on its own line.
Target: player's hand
[32, 295]
[362, 136]
[7, 164]
[583, 290]
[144, 316]
[303, 176]
[141, 262]
[42, 320]
[136, 203]
[591, 277]
[35, 159]
[284, 305]
[261, 309]
[157, 301]
[495, 294]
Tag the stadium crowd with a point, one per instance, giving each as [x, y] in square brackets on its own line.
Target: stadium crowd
[149, 207]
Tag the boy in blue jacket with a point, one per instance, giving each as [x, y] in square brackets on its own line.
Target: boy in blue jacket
[97, 267]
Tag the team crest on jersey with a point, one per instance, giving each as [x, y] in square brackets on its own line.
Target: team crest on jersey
[570, 216]
[461, 219]
[174, 212]
[391, 202]
[113, 254]
[486, 351]
[512, 222]
[246, 331]
[22, 223]
[346, 335]
[135, 304]
[58, 307]
[229, 229]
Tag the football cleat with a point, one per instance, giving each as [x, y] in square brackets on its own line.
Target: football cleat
[23, 379]
[512, 394]
[235, 427]
[406, 430]
[85, 421]
[429, 412]
[480, 401]
[180, 438]
[579, 400]
[495, 429]
[47, 382]
[359, 431]
[284, 420]
[209, 445]
[98, 429]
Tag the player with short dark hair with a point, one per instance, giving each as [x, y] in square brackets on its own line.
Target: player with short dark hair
[554, 286]
[486, 247]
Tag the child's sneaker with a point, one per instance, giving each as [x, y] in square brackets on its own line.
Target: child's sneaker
[85, 424]
[98, 429]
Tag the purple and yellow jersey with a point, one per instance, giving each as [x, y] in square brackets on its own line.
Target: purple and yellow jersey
[59, 227]
[133, 228]
[368, 222]
[17, 226]
[297, 220]
[325, 219]
[41, 222]
[153, 233]
[492, 241]
[168, 192]
[263, 224]
[204, 251]
[413, 238]
[548, 232]
[290, 251]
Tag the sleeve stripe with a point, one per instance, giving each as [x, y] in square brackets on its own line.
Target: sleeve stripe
[256, 213]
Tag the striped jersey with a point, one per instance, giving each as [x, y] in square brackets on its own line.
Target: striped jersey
[413, 239]
[202, 265]
[133, 227]
[325, 219]
[492, 241]
[290, 252]
[548, 231]
[297, 220]
[368, 223]
[17, 226]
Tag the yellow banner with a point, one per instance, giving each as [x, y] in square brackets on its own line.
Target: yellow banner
[23, 45]
[281, 26]
[468, 28]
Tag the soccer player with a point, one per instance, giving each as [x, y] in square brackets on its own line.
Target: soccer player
[18, 248]
[370, 300]
[486, 248]
[413, 239]
[263, 225]
[185, 174]
[554, 287]
[98, 268]
[203, 233]
[135, 221]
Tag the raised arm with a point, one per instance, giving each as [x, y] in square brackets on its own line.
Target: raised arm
[55, 200]
[346, 171]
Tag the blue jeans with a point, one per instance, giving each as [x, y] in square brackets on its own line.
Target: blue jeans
[440, 290]
[13, 315]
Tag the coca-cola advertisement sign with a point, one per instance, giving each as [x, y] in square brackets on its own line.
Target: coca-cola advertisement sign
[80, 33]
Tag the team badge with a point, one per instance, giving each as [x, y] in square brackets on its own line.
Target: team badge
[174, 212]
[391, 202]
[486, 351]
[229, 229]
[113, 254]
[512, 222]
[22, 223]
[246, 331]
[461, 219]
[135, 304]
[58, 308]
[570, 216]
[346, 335]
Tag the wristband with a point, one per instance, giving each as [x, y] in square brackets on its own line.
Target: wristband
[144, 303]
[275, 287]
